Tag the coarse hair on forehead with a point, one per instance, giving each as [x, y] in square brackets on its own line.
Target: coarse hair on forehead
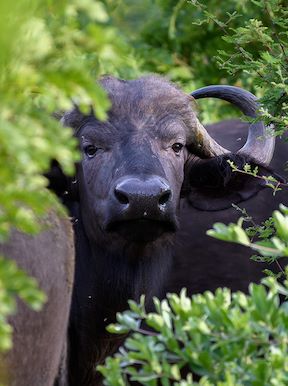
[139, 101]
[151, 94]
[149, 86]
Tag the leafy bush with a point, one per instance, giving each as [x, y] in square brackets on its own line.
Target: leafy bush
[167, 39]
[270, 241]
[187, 40]
[51, 54]
[214, 339]
[259, 51]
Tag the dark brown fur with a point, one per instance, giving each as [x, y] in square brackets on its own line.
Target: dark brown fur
[39, 338]
[204, 263]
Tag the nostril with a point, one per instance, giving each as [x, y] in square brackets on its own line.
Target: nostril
[164, 197]
[121, 197]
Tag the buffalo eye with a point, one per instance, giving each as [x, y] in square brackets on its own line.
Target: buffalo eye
[90, 150]
[177, 147]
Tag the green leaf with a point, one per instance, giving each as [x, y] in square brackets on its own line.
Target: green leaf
[117, 329]
[281, 225]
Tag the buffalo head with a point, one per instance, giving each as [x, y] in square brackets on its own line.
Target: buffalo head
[151, 151]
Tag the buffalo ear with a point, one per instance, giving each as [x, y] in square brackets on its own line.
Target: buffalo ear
[73, 118]
[66, 188]
[211, 184]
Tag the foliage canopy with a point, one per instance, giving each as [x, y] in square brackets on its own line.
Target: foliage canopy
[51, 54]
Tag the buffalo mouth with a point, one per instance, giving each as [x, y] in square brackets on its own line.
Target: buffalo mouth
[141, 230]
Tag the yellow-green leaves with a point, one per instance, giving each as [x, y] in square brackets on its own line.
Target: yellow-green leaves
[231, 232]
[273, 235]
[281, 225]
[223, 338]
[52, 53]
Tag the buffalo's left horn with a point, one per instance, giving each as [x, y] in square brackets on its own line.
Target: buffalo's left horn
[259, 144]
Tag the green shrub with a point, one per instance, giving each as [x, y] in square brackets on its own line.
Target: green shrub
[51, 55]
[224, 339]
[269, 241]
[186, 40]
[258, 50]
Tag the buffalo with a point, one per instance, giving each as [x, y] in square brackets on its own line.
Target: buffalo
[139, 172]
[38, 355]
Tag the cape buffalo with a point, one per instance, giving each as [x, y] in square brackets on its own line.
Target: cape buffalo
[39, 338]
[125, 199]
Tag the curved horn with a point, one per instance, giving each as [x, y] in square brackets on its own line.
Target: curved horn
[203, 144]
[259, 144]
